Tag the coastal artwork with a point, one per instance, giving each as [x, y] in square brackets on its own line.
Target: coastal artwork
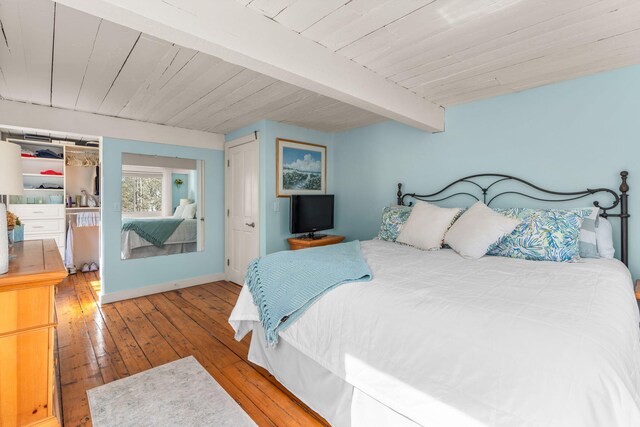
[301, 168]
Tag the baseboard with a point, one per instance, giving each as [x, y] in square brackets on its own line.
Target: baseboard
[161, 287]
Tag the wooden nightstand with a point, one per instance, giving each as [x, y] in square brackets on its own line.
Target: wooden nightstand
[304, 242]
[638, 290]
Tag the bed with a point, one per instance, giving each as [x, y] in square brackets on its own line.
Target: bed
[183, 240]
[436, 339]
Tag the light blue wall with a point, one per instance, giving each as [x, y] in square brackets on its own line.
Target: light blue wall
[565, 136]
[117, 274]
[181, 192]
[275, 225]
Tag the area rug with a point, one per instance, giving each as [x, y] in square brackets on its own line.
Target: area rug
[180, 393]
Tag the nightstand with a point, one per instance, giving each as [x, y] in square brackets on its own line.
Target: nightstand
[638, 290]
[296, 243]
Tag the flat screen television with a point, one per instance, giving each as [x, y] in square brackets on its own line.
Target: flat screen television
[311, 213]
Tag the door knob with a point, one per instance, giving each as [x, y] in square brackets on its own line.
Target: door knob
[252, 225]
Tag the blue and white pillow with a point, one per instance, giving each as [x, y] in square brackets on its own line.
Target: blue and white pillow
[587, 239]
[543, 235]
[393, 218]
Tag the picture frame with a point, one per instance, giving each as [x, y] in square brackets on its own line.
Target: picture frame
[301, 168]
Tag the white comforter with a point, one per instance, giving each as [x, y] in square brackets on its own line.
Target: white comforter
[447, 341]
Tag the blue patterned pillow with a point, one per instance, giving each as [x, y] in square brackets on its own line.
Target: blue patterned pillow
[543, 235]
[392, 220]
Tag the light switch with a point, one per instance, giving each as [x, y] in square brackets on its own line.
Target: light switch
[116, 207]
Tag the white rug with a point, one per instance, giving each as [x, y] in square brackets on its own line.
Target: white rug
[180, 393]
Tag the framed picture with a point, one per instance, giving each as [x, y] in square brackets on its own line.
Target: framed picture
[301, 168]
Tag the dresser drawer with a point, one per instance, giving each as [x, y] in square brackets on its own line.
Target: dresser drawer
[42, 226]
[37, 211]
[26, 308]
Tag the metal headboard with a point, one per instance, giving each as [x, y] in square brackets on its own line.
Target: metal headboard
[483, 194]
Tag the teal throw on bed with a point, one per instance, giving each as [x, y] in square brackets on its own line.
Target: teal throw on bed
[285, 284]
[155, 230]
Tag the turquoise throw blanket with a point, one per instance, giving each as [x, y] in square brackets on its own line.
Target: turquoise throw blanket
[285, 284]
[155, 231]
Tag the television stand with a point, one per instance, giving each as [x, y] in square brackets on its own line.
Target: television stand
[313, 236]
[305, 242]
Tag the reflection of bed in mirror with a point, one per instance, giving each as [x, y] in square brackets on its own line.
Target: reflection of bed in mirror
[161, 206]
[182, 240]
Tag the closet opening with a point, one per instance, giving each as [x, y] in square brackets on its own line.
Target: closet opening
[61, 198]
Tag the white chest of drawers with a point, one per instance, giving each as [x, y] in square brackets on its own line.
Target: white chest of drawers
[42, 222]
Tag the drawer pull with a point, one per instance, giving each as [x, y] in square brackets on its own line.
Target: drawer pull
[38, 211]
[38, 226]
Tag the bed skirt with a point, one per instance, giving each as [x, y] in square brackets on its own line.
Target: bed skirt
[169, 249]
[337, 401]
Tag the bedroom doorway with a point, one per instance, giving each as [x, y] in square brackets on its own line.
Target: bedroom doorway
[242, 213]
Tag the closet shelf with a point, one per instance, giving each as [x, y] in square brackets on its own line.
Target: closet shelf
[38, 143]
[86, 208]
[44, 189]
[43, 175]
[42, 159]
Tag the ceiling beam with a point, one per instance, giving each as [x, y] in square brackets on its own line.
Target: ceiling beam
[237, 34]
[16, 114]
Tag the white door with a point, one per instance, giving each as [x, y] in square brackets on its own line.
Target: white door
[242, 214]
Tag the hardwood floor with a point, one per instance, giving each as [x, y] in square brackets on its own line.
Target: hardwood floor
[97, 345]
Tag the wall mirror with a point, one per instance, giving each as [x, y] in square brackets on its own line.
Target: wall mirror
[162, 206]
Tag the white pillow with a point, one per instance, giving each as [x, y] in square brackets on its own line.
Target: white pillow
[604, 239]
[477, 229]
[178, 212]
[426, 226]
[189, 211]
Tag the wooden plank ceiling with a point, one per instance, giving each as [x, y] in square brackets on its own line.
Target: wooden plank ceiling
[57, 56]
[457, 51]
[447, 51]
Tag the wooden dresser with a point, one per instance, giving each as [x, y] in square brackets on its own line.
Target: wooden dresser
[27, 326]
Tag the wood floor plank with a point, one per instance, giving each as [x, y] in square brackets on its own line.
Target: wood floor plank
[79, 370]
[109, 358]
[221, 290]
[93, 279]
[217, 352]
[262, 390]
[214, 321]
[233, 287]
[99, 344]
[132, 355]
[156, 349]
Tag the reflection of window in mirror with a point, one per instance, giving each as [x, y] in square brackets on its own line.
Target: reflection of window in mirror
[142, 194]
[162, 212]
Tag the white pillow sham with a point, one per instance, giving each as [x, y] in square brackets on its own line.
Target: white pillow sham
[189, 211]
[477, 229]
[426, 226]
[604, 239]
[178, 212]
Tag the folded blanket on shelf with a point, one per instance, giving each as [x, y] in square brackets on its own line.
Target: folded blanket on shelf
[285, 284]
[155, 230]
[48, 154]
